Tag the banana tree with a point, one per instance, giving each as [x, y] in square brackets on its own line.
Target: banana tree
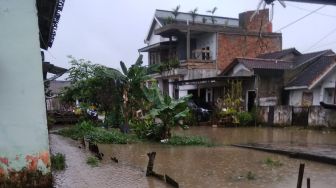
[166, 111]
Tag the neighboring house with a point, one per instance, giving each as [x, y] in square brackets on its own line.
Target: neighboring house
[26, 27]
[286, 77]
[53, 101]
[315, 84]
[203, 49]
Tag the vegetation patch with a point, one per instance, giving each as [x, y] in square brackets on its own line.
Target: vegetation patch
[272, 162]
[98, 135]
[250, 175]
[92, 161]
[189, 140]
[58, 161]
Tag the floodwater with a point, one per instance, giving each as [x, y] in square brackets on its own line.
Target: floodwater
[226, 166]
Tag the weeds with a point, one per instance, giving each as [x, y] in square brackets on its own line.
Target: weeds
[92, 161]
[250, 175]
[189, 140]
[98, 135]
[272, 162]
[58, 161]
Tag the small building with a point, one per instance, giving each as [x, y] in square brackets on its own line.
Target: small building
[286, 77]
[314, 84]
[188, 49]
[53, 101]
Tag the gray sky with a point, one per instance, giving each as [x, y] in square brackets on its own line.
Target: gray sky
[107, 31]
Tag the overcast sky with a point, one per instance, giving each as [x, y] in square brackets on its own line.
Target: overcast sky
[106, 31]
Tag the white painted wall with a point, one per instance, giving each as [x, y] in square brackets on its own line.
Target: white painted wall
[23, 116]
[156, 38]
[208, 40]
[295, 97]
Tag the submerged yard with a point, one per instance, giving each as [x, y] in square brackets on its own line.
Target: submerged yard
[220, 165]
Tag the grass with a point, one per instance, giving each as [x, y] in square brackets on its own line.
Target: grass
[189, 140]
[92, 161]
[250, 175]
[58, 161]
[272, 162]
[96, 134]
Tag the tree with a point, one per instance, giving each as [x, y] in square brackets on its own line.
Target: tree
[167, 111]
[176, 11]
[132, 94]
[93, 84]
[193, 14]
[212, 14]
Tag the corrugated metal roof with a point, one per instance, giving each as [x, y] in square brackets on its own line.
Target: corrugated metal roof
[255, 63]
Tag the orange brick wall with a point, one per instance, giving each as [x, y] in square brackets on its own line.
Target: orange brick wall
[231, 46]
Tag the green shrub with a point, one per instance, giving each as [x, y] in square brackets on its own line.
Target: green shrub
[250, 175]
[95, 134]
[272, 162]
[189, 140]
[58, 161]
[244, 118]
[92, 161]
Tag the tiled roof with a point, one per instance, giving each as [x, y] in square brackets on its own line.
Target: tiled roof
[279, 54]
[256, 63]
[304, 58]
[313, 72]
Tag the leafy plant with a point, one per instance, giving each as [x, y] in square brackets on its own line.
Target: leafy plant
[193, 14]
[87, 130]
[272, 162]
[212, 12]
[58, 161]
[189, 140]
[176, 12]
[250, 175]
[244, 118]
[92, 161]
[166, 112]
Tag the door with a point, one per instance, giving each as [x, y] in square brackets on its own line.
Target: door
[251, 95]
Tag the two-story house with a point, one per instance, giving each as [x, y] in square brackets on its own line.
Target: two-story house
[196, 47]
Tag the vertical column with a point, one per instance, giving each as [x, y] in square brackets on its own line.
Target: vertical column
[188, 43]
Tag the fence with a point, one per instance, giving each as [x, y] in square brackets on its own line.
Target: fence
[298, 116]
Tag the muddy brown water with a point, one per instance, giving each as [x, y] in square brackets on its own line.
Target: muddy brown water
[226, 166]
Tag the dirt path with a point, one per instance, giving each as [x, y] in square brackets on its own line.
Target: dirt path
[79, 174]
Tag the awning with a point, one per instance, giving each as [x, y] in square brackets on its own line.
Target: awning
[157, 46]
[212, 79]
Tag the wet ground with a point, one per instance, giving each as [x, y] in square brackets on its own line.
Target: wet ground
[78, 174]
[198, 166]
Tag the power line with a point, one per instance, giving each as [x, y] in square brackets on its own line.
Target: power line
[301, 18]
[324, 37]
[307, 10]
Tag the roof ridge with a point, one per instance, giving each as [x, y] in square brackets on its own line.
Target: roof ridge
[262, 59]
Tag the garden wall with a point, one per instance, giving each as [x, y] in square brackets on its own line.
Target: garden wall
[297, 116]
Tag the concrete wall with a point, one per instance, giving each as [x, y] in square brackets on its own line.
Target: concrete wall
[317, 116]
[24, 147]
[208, 40]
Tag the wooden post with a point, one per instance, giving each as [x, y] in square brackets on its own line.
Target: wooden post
[308, 182]
[150, 165]
[300, 177]
[171, 181]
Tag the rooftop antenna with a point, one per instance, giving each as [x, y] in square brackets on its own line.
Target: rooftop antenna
[264, 3]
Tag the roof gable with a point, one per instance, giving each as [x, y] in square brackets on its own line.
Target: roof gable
[282, 54]
[314, 73]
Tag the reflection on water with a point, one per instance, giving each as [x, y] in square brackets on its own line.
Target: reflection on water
[226, 166]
